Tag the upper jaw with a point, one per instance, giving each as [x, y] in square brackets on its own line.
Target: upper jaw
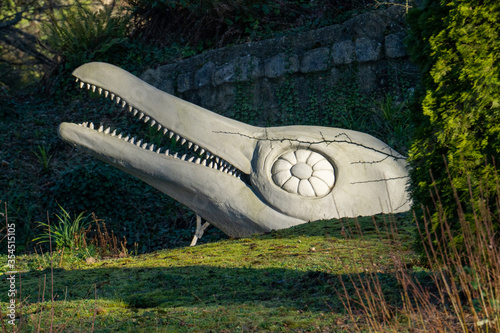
[212, 132]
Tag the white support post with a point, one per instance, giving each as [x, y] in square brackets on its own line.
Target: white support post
[200, 229]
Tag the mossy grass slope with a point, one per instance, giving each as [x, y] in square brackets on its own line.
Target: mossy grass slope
[283, 281]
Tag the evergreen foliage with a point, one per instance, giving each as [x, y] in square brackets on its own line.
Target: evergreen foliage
[457, 137]
[78, 35]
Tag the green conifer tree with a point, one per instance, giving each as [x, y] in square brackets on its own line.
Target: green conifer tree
[456, 43]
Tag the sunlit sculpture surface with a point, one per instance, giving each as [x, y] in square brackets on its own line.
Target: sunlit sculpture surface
[243, 179]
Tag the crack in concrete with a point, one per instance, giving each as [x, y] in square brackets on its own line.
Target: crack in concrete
[325, 141]
[379, 180]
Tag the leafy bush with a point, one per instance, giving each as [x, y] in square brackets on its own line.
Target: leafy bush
[81, 35]
[68, 233]
[206, 22]
[78, 35]
[457, 137]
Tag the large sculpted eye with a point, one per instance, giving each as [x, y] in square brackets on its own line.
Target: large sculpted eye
[303, 172]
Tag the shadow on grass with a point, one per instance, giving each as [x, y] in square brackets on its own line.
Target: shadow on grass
[195, 286]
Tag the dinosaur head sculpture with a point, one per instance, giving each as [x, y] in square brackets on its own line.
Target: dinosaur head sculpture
[243, 179]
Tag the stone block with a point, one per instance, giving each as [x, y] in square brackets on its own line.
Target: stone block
[368, 50]
[167, 86]
[184, 82]
[225, 73]
[203, 76]
[315, 60]
[343, 52]
[238, 70]
[249, 68]
[281, 64]
[367, 78]
[394, 46]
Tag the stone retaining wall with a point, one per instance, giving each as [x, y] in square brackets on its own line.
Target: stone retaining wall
[368, 48]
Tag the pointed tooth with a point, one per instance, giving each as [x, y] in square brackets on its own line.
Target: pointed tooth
[141, 115]
[221, 168]
[175, 155]
[204, 162]
[85, 124]
[126, 138]
[183, 157]
[170, 135]
[216, 159]
[145, 145]
[118, 99]
[230, 172]
[177, 137]
[208, 154]
[202, 151]
[91, 126]
[107, 130]
[152, 147]
[135, 111]
[88, 86]
[99, 90]
[106, 93]
[132, 140]
[211, 165]
[183, 141]
[165, 130]
[153, 122]
[82, 84]
[77, 79]
[93, 88]
[124, 103]
[101, 128]
[114, 133]
[139, 143]
[158, 151]
[198, 160]
[119, 136]
[130, 108]
[146, 119]
[159, 127]
[167, 152]
[112, 96]
[190, 144]
[196, 148]
[191, 159]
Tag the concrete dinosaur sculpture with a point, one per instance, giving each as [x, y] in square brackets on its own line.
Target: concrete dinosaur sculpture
[241, 178]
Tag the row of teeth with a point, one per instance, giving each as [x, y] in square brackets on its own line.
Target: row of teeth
[206, 158]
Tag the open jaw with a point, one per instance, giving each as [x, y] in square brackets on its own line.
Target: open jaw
[212, 178]
[183, 150]
[241, 178]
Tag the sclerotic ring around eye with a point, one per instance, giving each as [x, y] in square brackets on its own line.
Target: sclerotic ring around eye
[303, 172]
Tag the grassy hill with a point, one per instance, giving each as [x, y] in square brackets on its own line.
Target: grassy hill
[286, 281]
